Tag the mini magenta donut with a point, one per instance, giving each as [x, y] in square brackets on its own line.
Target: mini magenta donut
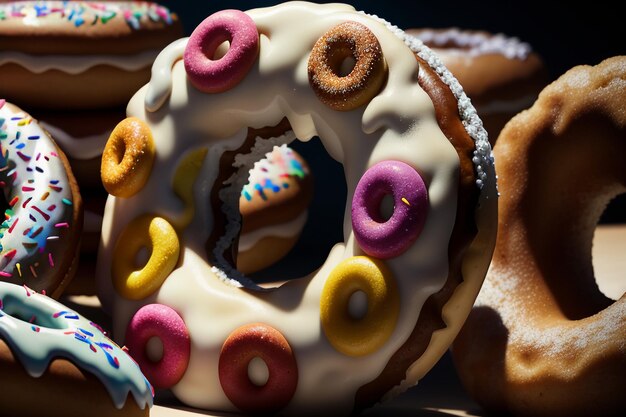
[43, 211]
[48, 350]
[214, 76]
[389, 238]
[417, 132]
[162, 322]
[242, 346]
[365, 79]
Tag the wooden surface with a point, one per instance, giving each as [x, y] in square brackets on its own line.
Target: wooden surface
[440, 393]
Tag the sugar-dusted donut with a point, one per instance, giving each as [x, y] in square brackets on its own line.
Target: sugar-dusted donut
[542, 339]
[43, 214]
[55, 362]
[419, 119]
[57, 52]
[274, 208]
[501, 74]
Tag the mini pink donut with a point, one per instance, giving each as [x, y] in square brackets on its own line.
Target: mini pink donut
[158, 320]
[215, 76]
[251, 341]
[387, 239]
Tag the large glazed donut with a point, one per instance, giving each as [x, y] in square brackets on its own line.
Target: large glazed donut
[501, 74]
[417, 123]
[57, 52]
[43, 212]
[542, 339]
[54, 362]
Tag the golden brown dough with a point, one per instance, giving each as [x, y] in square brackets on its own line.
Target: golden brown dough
[542, 339]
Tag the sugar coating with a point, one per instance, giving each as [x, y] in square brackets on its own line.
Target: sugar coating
[476, 43]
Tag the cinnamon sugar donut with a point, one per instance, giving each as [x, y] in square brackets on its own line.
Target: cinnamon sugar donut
[419, 125]
[55, 362]
[500, 74]
[43, 212]
[542, 339]
[56, 53]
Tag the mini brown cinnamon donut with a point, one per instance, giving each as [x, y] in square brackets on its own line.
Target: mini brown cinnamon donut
[56, 53]
[500, 74]
[542, 339]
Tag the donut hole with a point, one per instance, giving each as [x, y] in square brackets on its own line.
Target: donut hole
[119, 151]
[221, 51]
[386, 208]
[609, 245]
[33, 314]
[341, 59]
[357, 305]
[142, 257]
[218, 47]
[258, 372]
[154, 349]
[381, 205]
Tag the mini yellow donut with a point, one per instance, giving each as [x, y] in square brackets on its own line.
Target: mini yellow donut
[159, 237]
[358, 336]
[127, 158]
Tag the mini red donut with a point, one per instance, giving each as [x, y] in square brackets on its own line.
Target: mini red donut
[268, 344]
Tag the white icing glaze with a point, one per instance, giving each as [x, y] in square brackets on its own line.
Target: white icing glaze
[86, 147]
[287, 229]
[56, 331]
[36, 177]
[399, 123]
[77, 64]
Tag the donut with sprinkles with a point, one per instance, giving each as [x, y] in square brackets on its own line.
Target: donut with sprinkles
[43, 211]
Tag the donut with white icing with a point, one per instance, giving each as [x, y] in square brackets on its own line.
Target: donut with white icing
[542, 340]
[55, 362]
[43, 212]
[80, 54]
[399, 313]
[501, 75]
[273, 206]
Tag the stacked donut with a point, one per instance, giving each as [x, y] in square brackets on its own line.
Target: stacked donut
[75, 65]
[501, 75]
[387, 301]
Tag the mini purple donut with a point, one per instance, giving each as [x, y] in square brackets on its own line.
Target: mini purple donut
[215, 76]
[387, 239]
[158, 320]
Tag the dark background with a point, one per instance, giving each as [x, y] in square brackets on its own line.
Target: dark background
[563, 34]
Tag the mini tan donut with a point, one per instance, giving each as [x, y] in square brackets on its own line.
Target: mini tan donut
[80, 54]
[43, 210]
[542, 339]
[127, 158]
[500, 74]
[365, 79]
[273, 205]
